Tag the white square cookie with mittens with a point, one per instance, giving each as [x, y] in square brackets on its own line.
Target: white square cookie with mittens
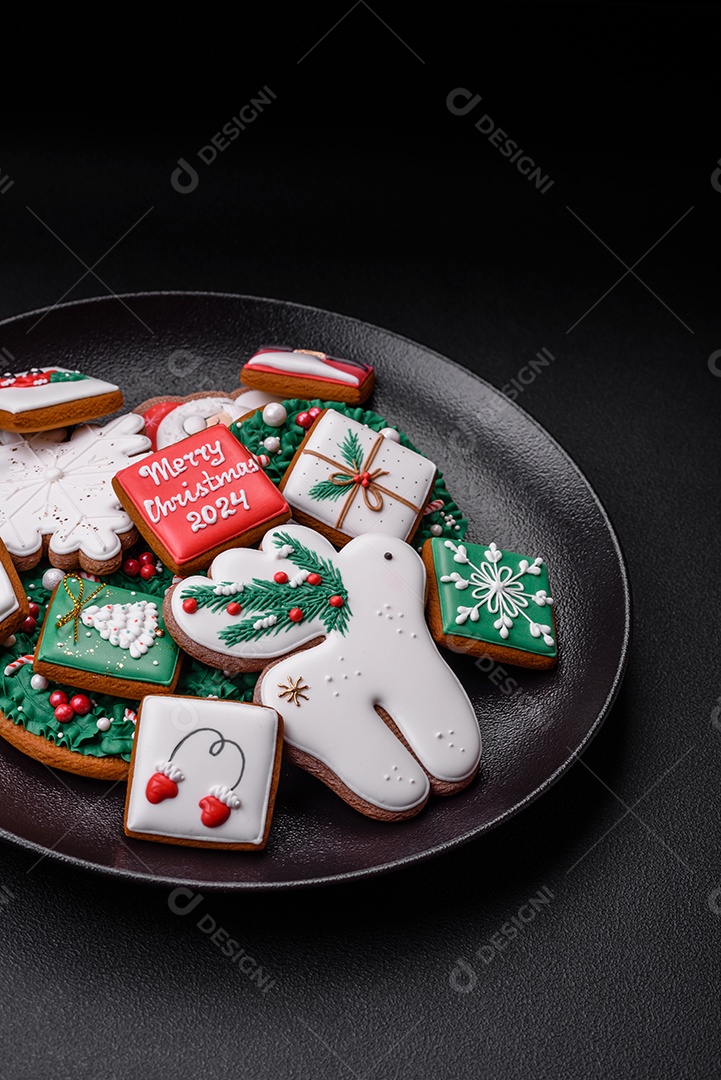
[204, 773]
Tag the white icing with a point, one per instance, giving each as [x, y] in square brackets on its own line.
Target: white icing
[17, 400]
[126, 626]
[8, 600]
[192, 416]
[159, 731]
[302, 364]
[404, 673]
[408, 474]
[77, 508]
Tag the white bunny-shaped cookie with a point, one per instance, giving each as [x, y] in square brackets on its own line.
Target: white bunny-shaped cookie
[369, 704]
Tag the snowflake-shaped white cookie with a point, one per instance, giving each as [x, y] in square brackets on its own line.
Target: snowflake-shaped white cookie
[63, 489]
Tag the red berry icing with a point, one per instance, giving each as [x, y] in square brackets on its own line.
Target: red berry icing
[280, 577]
[146, 557]
[190, 606]
[304, 420]
[58, 697]
[28, 625]
[233, 608]
[80, 704]
[314, 412]
[314, 579]
[64, 714]
[295, 614]
[131, 567]
[147, 571]
[336, 601]
[34, 609]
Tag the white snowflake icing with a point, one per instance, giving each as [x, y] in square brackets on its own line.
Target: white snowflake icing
[126, 626]
[63, 489]
[499, 590]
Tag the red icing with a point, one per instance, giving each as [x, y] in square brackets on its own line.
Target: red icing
[33, 378]
[295, 614]
[160, 787]
[153, 417]
[200, 493]
[214, 812]
[360, 371]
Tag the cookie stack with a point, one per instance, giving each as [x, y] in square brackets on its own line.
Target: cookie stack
[209, 584]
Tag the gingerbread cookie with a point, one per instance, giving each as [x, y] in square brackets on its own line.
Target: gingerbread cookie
[172, 418]
[100, 637]
[66, 728]
[369, 705]
[198, 497]
[56, 495]
[46, 398]
[275, 441]
[346, 480]
[292, 373]
[488, 602]
[204, 773]
[14, 604]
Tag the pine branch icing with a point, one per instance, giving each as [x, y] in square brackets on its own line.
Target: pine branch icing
[271, 606]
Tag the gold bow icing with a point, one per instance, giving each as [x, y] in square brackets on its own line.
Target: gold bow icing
[79, 603]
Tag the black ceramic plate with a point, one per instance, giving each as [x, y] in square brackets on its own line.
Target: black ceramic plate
[517, 487]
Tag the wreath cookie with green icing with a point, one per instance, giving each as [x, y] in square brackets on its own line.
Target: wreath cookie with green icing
[97, 740]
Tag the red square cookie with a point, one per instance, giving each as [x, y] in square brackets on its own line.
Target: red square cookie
[198, 497]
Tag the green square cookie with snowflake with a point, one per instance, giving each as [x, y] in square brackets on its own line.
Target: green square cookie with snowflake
[487, 602]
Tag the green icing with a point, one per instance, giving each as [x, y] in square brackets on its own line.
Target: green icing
[485, 592]
[93, 654]
[67, 376]
[31, 708]
[253, 431]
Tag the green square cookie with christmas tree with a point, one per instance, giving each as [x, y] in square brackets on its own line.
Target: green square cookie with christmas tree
[106, 639]
[488, 602]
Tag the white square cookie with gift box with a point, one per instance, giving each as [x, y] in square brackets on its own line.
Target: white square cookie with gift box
[347, 480]
[204, 773]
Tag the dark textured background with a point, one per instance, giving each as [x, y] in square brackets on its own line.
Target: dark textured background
[358, 191]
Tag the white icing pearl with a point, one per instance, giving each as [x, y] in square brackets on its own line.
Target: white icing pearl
[391, 433]
[274, 414]
[52, 577]
[39, 682]
[272, 444]
[103, 723]
[194, 424]
[436, 530]
[9, 642]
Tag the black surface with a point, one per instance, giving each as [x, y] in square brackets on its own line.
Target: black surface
[514, 484]
[361, 194]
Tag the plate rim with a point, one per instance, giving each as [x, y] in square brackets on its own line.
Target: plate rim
[350, 876]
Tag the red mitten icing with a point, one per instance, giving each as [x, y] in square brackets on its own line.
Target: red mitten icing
[163, 784]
